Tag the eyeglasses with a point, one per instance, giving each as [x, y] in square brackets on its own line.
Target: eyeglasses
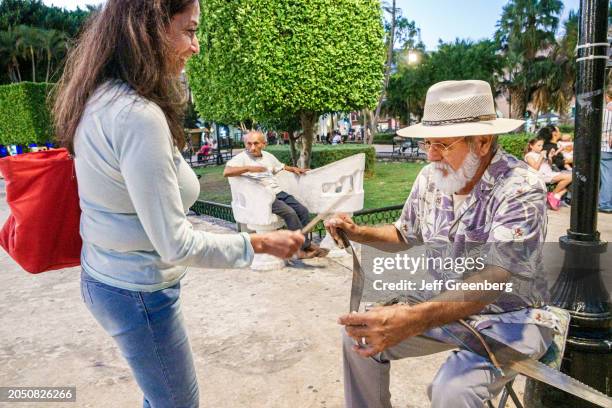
[441, 147]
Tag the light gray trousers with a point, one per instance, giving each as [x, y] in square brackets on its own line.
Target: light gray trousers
[464, 380]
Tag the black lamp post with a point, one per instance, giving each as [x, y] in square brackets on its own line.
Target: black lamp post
[579, 288]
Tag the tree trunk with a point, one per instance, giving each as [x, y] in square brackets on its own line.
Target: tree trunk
[387, 71]
[372, 125]
[48, 65]
[333, 125]
[307, 119]
[33, 64]
[18, 70]
[293, 150]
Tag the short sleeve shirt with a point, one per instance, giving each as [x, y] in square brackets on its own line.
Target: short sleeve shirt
[267, 160]
[504, 215]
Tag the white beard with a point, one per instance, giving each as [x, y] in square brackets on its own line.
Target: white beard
[450, 181]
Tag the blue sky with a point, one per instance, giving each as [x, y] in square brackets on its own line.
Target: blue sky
[450, 19]
[445, 19]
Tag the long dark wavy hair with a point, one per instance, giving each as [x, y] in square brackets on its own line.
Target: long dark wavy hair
[125, 41]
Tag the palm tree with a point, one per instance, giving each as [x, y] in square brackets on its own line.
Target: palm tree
[28, 44]
[526, 33]
[564, 57]
[9, 53]
[54, 44]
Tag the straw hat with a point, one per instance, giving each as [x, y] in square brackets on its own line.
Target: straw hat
[459, 108]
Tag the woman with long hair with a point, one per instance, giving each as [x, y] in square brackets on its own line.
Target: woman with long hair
[118, 108]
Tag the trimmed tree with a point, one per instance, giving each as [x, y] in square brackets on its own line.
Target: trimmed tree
[24, 113]
[265, 60]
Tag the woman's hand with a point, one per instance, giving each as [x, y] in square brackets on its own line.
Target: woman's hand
[282, 244]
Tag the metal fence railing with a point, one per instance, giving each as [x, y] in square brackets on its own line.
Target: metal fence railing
[374, 216]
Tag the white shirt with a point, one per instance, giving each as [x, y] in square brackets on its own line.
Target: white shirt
[135, 189]
[267, 160]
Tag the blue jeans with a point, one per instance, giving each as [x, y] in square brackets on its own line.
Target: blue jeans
[149, 330]
[605, 184]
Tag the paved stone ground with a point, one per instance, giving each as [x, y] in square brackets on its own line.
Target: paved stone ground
[260, 339]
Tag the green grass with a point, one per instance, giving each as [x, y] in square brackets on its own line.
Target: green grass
[213, 186]
[390, 184]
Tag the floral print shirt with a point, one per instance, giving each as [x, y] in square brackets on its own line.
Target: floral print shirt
[503, 219]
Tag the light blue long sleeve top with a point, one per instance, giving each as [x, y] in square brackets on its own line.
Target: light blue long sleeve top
[135, 189]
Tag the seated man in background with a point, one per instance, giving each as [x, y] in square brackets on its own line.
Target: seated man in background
[262, 166]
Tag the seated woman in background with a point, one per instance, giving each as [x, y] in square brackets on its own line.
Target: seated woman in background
[541, 160]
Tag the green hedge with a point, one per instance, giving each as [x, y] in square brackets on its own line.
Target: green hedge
[24, 114]
[566, 128]
[384, 138]
[325, 154]
[515, 143]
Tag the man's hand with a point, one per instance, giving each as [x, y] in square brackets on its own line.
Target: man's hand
[296, 170]
[283, 244]
[340, 221]
[381, 328]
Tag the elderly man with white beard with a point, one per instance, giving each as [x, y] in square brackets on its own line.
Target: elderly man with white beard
[471, 192]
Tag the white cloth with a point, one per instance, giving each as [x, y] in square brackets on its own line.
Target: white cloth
[135, 190]
[267, 160]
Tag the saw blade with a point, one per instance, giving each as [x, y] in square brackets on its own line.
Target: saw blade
[541, 372]
[531, 368]
[358, 275]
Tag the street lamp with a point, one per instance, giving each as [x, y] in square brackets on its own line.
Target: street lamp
[412, 58]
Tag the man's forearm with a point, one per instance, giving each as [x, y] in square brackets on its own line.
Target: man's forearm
[230, 171]
[386, 237]
[451, 306]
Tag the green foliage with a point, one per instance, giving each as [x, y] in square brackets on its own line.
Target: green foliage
[24, 114]
[34, 39]
[566, 129]
[515, 143]
[460, 60]
[36, 14]
[526, 35]
[325, 154]
[267, 59]
[384, 138]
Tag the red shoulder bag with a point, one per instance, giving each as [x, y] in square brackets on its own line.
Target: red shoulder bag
[42, 231]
